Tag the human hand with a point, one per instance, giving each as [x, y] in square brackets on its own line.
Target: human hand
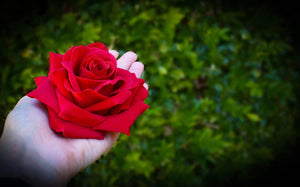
[30, 150]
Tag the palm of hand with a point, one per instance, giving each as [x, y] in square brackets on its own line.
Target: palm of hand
[67, 156]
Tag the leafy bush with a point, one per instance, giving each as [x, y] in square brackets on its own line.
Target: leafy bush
[221, 88]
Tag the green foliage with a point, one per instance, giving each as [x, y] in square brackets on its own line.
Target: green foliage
[219, 89]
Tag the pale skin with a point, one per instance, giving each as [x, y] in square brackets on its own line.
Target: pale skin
[31, 151]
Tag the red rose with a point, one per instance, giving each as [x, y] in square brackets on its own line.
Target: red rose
[86, 94]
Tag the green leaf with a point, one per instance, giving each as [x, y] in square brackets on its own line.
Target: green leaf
[253, 117]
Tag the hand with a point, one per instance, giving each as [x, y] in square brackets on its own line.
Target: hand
[30, 150]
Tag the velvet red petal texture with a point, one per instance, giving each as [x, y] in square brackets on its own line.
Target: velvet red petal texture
[85, 83]
[71, 77]
[73, 57]
[46, 93]
[87, 95]
[83, 72]
[40, 80]
[71, 130]
[59, 79]
[70, 112]
[104, 106]
[55, 61]
[123, 121]
[130, 79]
[138, 92]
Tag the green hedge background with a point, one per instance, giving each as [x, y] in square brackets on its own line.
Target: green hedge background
[223, 80]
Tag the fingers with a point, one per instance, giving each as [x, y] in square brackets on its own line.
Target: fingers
[126, 60]
[114, 53]
[95, 148]
[137, 68]
[146, 86]
[111, 138]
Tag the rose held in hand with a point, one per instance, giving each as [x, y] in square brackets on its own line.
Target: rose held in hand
[87, 95]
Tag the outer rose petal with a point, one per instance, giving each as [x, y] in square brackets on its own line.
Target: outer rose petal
[40, 80]
[55, 61]
[71, 130]
[143, 92]
[45, 92]
[130, 79]
[98, 45]
[139, 92]
[123, 121]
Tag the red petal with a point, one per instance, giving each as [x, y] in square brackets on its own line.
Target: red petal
[130, 79]
[138, 92]
[71, 77]
[45, 93]
[73, 57]
[71, 61]
[123, 121]
[98, 45]
[87, 97]
[71, 130]
[107, 104]
[85, 83]
[70, 112]
[142, 91]
[107, 84]
[40, 80]
[58, 77]
[87, 74]
[55, 61]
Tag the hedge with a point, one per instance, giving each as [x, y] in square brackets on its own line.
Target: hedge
[223, 90]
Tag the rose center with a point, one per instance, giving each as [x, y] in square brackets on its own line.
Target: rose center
[95, 67]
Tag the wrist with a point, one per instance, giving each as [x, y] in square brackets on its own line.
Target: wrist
[38, 171]
[9, 163]
[18, 162]
[38, 174]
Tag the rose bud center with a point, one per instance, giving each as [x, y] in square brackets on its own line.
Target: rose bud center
[96, 68]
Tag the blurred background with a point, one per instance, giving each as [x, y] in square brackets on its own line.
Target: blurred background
[223, 78]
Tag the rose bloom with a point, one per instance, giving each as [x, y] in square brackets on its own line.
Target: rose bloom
[87, 95]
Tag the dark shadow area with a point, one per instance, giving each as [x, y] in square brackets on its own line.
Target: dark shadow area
[283, 169]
